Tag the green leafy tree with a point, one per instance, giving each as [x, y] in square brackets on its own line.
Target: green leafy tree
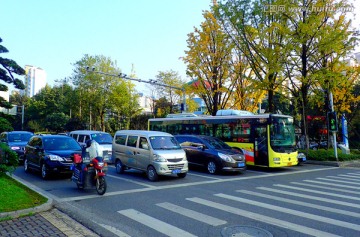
[103, 94]
[5, 125]
[262, 39]
[173, 81]
[207, 58]
[56, 122]
[8, 69]
[321, 39]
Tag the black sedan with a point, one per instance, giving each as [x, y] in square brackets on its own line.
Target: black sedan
[50, 154]
[212, 153]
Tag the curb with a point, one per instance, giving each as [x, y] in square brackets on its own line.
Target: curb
[348, 164]
[41, 208]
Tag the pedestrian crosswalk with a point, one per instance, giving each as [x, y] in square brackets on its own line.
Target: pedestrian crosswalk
[323, 206]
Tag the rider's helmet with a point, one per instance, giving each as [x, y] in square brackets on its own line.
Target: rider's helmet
[88, 143]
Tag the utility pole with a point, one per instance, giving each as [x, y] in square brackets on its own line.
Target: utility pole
[334, 131]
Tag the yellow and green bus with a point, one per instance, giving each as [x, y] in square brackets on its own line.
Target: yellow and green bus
[267, 140]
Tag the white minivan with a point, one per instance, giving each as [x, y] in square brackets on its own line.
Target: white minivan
[156, 153]
[103, 138]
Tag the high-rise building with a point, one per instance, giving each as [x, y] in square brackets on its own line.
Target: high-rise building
[35, 80]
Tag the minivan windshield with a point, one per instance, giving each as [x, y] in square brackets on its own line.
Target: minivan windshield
[102, 138]
[164, 143]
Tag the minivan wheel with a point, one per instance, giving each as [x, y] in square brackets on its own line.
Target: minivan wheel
[151, 174]
[211, 167]
[119, 167]
[181, 175]
[44, 171]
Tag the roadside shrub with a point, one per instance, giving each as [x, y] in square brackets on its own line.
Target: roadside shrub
[8, 159]
[328, 155]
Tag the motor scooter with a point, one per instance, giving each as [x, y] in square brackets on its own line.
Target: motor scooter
[89, 170]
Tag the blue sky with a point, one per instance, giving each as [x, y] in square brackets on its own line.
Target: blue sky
[148, 34]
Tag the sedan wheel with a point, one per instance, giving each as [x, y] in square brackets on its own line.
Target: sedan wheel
[44, 172]
[151, 174]
[211, 167]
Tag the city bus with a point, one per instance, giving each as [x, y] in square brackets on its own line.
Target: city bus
[267, 140]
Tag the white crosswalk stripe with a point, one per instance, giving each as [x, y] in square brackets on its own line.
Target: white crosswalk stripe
[341, 193]
[155, 224]
[262, 218]
[192, 214]
[332, 184]
[299, 203]
[338, 181]
[324, 187]
[292, 212]
[322, 199]
[318, 192]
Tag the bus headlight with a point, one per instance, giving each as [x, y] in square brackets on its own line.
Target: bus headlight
[225, 157]
[159, 158]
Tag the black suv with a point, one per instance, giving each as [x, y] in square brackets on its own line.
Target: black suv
[16, 141]
[212, 153]
[50, 154]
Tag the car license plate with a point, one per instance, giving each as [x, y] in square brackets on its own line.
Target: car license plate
[176, 171]
[241, 164]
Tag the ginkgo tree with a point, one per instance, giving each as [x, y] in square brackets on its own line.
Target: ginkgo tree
[262, 39]
[208, 62]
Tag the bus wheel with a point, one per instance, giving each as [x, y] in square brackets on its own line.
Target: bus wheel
[211, 167]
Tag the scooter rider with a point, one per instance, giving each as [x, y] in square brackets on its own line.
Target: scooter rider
[93, 150]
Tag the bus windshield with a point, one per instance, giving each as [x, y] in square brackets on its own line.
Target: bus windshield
[282, 132]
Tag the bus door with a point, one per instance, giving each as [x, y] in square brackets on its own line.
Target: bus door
[261, 155]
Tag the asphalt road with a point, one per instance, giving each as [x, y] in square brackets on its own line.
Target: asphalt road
[308, 200]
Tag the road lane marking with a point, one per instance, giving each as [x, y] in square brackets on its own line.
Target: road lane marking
[305, 204]
[203, 176]
[318, 192]
[129, 191]
[131, 181]
[322, 199]
[113, 230]
[329, 188]
[292, 212]
[192, 214]
[155, 224]
[262, 218]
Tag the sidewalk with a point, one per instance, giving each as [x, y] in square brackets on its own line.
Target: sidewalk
[48, 223]
[43, 220]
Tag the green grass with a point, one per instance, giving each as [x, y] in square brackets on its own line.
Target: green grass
[16, 196]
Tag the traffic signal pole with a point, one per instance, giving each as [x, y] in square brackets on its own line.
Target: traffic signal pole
[333, 131]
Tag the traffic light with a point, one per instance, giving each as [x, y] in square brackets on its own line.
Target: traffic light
[332, 121]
